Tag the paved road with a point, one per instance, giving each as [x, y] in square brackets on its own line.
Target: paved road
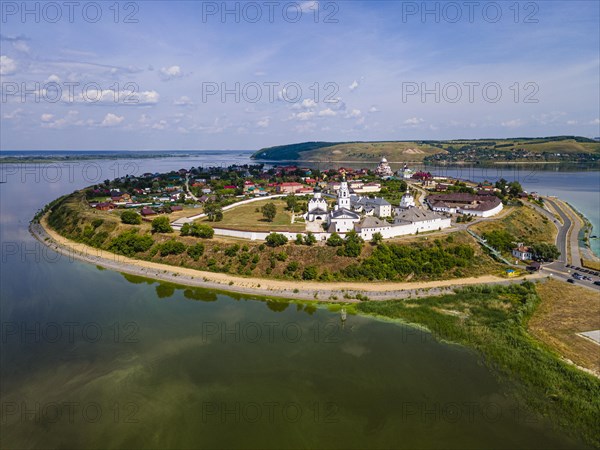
[563, 231]
[558, 268]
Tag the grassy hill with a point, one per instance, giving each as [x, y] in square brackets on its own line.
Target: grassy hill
[546, 149]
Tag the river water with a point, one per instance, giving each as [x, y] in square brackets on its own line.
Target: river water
[94, 359]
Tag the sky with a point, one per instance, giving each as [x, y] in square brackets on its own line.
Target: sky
[152, 75]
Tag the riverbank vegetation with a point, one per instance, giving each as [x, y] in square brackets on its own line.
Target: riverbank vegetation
[419, 258]
[494, 320]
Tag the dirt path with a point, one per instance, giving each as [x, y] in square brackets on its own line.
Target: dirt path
[305, 290]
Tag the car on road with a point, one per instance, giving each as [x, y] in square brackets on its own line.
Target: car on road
[571, 280]
[597, 283]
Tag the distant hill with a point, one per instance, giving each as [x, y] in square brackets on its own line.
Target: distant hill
[545, 149]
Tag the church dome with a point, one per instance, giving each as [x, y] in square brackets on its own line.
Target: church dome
[384, 159]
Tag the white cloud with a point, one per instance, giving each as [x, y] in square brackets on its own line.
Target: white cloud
[160, 125]
[571, 122]
[308, 103]
[596, 121]
[111, 120]
[47, 117]
[16, 114]
[168, 73]
[8, 66]
[373, 109]
[305, 115]
[21, 46]
[413, 121]
[184, 100]
[353, 113]
[53, 79]
[264, 122]
[327, 113]
[353, 86]
[514, 123]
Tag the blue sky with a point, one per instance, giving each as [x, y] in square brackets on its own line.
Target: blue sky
[501, 69]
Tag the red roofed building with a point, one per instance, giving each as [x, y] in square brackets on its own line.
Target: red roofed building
[289, 188]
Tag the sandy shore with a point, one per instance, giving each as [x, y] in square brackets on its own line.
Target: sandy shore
[302, 290]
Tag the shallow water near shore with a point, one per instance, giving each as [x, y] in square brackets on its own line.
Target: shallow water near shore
[91, 358]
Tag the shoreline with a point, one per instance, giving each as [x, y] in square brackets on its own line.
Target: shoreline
[334, 292]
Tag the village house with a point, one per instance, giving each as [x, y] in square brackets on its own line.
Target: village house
[289, 188]
[522, 252]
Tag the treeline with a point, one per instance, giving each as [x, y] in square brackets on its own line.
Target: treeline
[394, 261]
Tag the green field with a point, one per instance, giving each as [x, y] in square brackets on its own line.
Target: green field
[246, 217]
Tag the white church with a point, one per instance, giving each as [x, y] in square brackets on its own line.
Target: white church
[369, 217]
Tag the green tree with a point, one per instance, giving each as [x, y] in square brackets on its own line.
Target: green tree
[276, 240]
[131, 217]
[335, 240]
[202, 230]
[514, 188]
[195, 251]
[269, 211]
[545, 252]
[213, 211]
[161, 225]
[501, 240]
[310, 273]
[310, 239]
[292, 202]
[171, 247]
[377, 239]
[185, 229]
[353, 244]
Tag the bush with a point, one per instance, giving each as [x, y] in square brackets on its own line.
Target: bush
[232, 251]
[195, 251]
[171, 247]
[276, 240]
[310, 239]
[310, 273]
[335, 240]
[202, 231]
[353, 245]
[130, 242]
[291, 268]
[97, 222]
[161, 225]
[501, 240]
[131, 217]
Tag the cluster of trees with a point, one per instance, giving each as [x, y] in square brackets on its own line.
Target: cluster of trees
[501, 240]
[161, 224]
[391, 261]
[131, 217]
[308, 239]
[131, 242]
[353, 245]
[197, 230]
[504, 241]
[213, 211]
[276, 240]
[512, 189]
[545, 252]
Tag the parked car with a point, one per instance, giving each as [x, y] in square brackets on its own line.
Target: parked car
[597, 283]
